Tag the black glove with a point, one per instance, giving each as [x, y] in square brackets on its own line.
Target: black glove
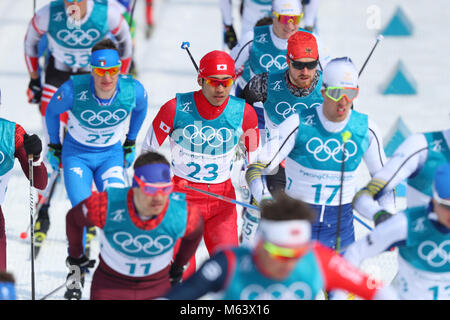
[34, 91]
[75, 278]
[129, 152]
[381, 216]
[229, 36]
[32, 145]
[175, 274]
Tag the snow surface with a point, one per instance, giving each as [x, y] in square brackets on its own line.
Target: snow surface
[346, 27]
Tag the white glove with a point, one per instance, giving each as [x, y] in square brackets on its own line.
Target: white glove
[250, 222]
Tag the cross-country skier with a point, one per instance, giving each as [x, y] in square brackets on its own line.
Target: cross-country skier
[140, 227]
[318, 169]
[206, 128]
[284, 264]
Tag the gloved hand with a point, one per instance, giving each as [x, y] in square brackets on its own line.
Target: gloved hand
[175, 274]
[34, 91]
[129, 152]
[32, 145]
[250, 222]
[54, 155]
[75, 277]
[229, 36]
[381, 216]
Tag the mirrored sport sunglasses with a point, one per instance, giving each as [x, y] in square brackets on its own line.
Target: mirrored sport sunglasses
[217, 82]
[112, 71]
[337, 93]
[285, 19]
[302, 65]
[152, 188]
[283, 253]
[72, 1]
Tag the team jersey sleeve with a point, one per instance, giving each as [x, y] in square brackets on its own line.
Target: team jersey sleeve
[40, 177]
[251, 136]
[61, 102]
[37, 27]
[241, 52]
[212, 277]
[339, 274]
[161, 127]
[90, 212]
[139, 112]
[226, 11]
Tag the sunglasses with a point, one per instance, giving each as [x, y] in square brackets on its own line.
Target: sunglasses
[217, 82]
[283, 253]
[152, 189]
[285, 19]
[302, 65]
[337, 93]
[72, 1]
[112, 71]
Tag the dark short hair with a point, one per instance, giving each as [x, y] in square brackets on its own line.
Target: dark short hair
[149, 157]
[104, 44]
[284, 207]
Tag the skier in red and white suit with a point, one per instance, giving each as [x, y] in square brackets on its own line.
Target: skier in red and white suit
[205, 129]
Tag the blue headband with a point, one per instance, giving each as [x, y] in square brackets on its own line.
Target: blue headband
[152, 173]
[105, 58]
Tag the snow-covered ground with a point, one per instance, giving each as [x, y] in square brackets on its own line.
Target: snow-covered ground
[346, 27]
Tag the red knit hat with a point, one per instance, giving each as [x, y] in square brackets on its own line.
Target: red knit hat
[216, 63]
[302, 44]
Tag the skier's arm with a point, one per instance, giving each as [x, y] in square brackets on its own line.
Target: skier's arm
[241, 52]
[375, 159]
[139, 112]
[161, 127]
[61, 102]
[192, 237]
[256, 89]
[211, 277]
[37, 27]
[339, 274]
[40, 176]
[251, 137]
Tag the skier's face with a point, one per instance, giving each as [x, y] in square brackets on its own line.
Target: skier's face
[149, 205]
[336, 111]
[216, 95]
[301, 78]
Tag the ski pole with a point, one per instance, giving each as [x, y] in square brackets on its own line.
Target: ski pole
[185, 45]
[30, 173]
[53, 291]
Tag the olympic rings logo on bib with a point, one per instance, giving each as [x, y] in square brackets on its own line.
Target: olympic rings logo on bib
[104, 117]
[295, 291]
[142, 243]
[78, 37]
[331, 148]
[267, 61]
[207, 134]
[284, 109]
[434, 255]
